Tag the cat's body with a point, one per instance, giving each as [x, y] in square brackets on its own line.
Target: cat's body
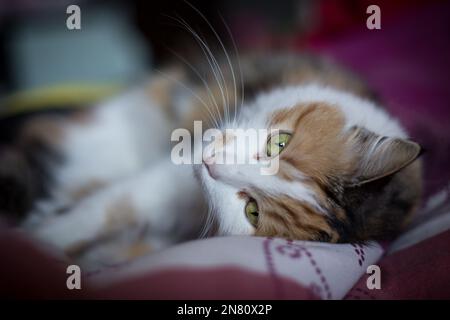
[346, 171]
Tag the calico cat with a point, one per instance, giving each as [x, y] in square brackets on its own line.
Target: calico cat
[347, 170]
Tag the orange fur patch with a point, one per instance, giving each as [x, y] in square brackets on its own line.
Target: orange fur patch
[119, 214]
[137, 250]
[317, 151]
[87, 189]
[290, 218]
[161, 87]
[316, 148]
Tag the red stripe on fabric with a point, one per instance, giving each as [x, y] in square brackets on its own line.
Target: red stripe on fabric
[418, 272]
[27, 272]
[210, 284]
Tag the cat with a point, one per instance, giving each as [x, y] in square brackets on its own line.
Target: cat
[347, 170]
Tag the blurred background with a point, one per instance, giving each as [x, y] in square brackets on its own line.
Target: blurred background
[44, 65]
[120, 41]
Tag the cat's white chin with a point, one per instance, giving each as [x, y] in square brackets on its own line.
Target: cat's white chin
[227, 206]
[211, 170]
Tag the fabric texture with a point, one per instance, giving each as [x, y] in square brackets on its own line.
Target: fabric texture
[418, 272]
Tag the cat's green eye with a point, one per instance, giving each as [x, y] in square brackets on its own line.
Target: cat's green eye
[251, 212]
[277, 142]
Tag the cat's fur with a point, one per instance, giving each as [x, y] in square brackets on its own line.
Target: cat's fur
[349, 172]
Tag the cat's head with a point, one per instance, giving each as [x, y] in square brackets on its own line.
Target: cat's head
[325, 142]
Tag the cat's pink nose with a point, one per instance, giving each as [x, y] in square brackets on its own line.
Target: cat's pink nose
[209, 160]
[210, 165]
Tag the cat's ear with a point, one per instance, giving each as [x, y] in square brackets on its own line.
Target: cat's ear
[378, 156]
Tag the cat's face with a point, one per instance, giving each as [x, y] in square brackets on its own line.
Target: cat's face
[323, 140]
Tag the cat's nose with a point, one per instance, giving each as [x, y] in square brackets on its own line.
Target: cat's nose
[209, 160]
[210, 165]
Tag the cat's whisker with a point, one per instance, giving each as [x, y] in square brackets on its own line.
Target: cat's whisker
[209, 223]
[197, 73]
[213, 119]
[209, 57]
[220, 79]
[225, 52]
[242, 93]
